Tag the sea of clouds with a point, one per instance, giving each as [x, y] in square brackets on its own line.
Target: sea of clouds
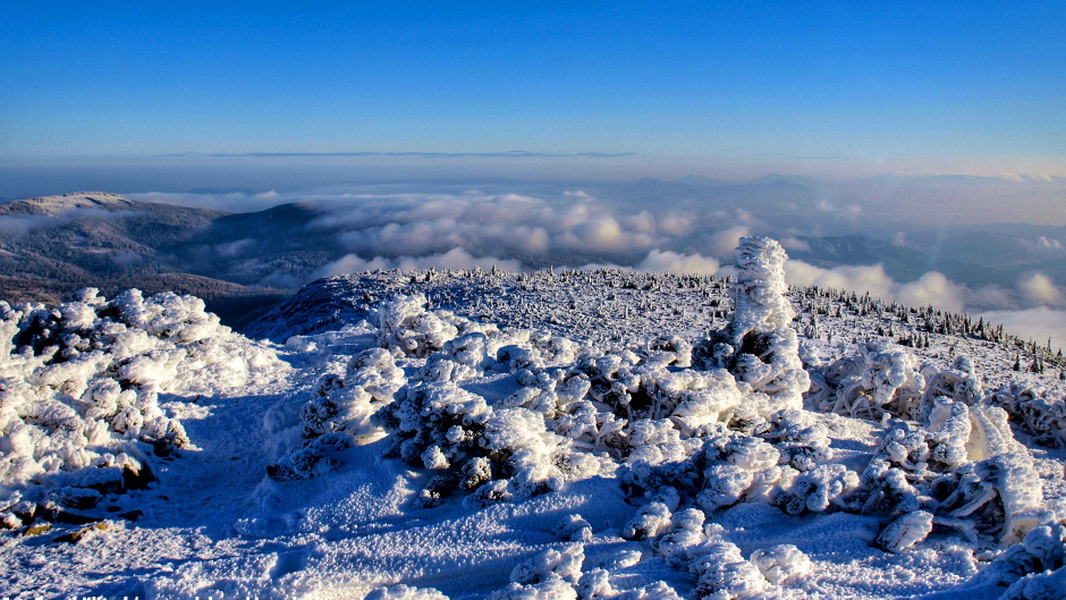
[389, 226]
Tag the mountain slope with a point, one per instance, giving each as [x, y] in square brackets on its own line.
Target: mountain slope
[291, 489]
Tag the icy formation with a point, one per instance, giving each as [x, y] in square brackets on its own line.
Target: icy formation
[80, 388]
[759, 345]
[339, 413]
[1038, 415]
[963, 470]
[879, 379]
[432, 448]
[575, 409]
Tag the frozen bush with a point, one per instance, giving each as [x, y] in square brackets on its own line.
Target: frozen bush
[404, 592]
[80, 384]
[551, 564]
[905, 531]
[965, 468]
[1041, 417]
[340, 413]
[781, 563]
[1042, 586]
[510, 447]
[881, 379]
[721, 572]
[738, 467]
[669, 351]
[686, 531]
[1041, 551]
[406, 326]
[960, 383]
[552, 589]
[759, 346]
[817, 490]
[574, 528]
[652, 520]
[800, 440]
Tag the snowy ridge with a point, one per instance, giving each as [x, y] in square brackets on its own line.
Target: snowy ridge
[592, 435]
[58, 205]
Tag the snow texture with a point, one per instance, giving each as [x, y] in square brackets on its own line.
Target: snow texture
[445, 436]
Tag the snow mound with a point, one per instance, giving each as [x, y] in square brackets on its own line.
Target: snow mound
[80, 386]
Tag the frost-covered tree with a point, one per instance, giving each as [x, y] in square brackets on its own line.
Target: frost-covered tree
[759, 345]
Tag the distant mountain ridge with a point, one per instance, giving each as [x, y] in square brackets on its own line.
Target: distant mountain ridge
[241, 262]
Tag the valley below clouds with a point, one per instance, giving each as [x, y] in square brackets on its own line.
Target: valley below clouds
[878, 236]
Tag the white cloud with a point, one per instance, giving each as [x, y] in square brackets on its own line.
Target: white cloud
[666, 261]
[456, 258]
[1040, 290]
[935, 289]
[795, 244]
[860, 279]
[232, 249]
[1037, 324]
[723, 244]
[676, 224]
[931, 288]
[1048, 243]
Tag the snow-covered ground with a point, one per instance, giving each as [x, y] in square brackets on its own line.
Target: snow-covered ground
[578, 434]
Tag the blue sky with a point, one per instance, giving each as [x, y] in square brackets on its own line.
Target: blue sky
[795, 86]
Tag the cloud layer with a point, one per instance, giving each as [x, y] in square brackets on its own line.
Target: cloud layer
[649, 228]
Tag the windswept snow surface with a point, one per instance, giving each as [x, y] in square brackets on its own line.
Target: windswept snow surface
[475, 435]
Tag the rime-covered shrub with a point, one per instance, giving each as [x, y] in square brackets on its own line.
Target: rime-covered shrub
[80, 385]
[959, 382]
[406, 326]
[651, 520]
[1032, 567]
[637, 391]
[404, 592]
[800, 440]
[738, 468]
[721, 573]
[964, 468]
[817, 490]
[781, 563]
[548, 575]
[562, 564]
[1041, 417]
[906, 531]
[339, 413]
[573, 528]
[496, 452]
[879, 379]
[759, 345]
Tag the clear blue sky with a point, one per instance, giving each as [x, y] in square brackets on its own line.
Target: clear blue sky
[963, 83]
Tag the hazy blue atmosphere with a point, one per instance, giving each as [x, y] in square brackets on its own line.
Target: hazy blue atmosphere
[496, 300]
[572, 133]
[732, 89]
